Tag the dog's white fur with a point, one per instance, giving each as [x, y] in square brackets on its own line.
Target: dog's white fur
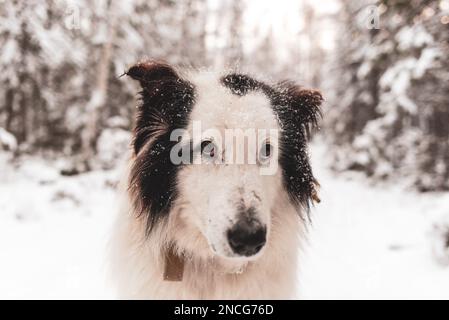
[204, 210]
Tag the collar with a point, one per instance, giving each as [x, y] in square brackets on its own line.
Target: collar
[174, 266]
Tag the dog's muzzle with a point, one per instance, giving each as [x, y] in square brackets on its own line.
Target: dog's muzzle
[247, 237]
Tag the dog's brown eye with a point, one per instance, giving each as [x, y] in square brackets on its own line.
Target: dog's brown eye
[265, 151]
[208, 148]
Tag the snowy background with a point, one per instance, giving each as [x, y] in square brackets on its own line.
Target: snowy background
[381, 155]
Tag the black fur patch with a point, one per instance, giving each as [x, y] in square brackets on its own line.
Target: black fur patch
[240, 84]
[167, 101]
[298, 111]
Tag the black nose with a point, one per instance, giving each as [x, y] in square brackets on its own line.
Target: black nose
[247, 237]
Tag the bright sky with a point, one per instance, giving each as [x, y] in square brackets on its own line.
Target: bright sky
[283, 19]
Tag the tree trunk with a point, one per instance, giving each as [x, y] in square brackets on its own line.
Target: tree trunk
[9, 108]
[98, 98]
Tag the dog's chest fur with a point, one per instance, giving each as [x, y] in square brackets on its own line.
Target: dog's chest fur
[138, 265]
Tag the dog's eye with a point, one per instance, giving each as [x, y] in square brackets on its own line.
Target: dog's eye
[208, 148]
[265, 151]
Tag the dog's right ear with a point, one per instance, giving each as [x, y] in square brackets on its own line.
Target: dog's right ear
[151, 73]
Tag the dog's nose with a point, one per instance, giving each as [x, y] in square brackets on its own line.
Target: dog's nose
[247, 237]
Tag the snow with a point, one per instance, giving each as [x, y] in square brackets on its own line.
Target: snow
[413, 37]
[110, 146]
[54, 232]
[373, 242]
[440, 235]
[366, 241]
[9, 52]
[7, 140]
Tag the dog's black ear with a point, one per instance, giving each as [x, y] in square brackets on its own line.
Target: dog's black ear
[304, 104]
[166, 102]
[298, 110]
[150, 73]
[166, 99]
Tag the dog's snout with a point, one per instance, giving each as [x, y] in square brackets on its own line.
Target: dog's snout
[247, 237]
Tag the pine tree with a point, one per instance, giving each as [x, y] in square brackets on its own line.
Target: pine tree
[389, 113]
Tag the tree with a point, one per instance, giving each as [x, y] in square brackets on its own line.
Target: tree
[98, 98]
[61, 63]
[389, 112]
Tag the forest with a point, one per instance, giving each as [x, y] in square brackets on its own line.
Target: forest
[386, 86]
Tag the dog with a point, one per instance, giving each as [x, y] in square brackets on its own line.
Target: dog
[210, 227]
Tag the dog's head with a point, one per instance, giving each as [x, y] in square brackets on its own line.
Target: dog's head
[219, 152]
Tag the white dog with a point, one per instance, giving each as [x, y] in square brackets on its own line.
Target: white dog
[218, 184]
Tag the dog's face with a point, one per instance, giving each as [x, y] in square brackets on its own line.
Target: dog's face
[228, 195]
[219, 152]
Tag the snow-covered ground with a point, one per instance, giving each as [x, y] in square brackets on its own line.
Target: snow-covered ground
[54, 232]
[373, 242]
[365, 242]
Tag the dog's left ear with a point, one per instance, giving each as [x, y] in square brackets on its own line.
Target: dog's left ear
[148, 73]
[304, 104]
